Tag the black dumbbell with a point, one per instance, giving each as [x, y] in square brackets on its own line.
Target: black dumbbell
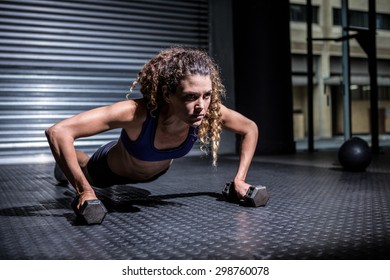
[91, 212]
[255, 196]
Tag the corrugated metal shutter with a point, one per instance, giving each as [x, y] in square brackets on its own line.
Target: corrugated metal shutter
[58, 58]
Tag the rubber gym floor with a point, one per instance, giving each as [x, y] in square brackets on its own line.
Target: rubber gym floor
[316, 211]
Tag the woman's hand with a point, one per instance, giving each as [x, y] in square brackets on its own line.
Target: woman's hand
[241, 188]
[86, 195]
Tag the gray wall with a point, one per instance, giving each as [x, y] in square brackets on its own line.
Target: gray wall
[58, 58]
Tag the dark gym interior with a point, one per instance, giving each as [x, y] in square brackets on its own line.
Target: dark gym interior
[59, 58]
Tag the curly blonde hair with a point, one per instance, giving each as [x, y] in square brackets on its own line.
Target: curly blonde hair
[167, 69]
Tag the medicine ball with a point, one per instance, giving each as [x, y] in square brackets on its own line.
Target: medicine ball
[355, 154]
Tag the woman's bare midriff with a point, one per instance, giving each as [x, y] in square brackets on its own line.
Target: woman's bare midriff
[123, 164]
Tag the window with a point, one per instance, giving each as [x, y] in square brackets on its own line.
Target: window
[383, 21]
[298, 13]
[360, 19]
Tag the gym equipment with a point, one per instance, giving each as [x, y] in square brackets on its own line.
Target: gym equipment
[355, 155]
[91, 212]
[255, 196]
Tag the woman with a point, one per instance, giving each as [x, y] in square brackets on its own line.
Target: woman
[181, 102]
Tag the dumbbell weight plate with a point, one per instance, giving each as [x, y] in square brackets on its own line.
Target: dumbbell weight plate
[91, 212]
[257, 196]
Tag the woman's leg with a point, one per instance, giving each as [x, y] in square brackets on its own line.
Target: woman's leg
[83, 159]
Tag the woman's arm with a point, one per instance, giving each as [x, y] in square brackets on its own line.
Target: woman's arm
[62, 135]
[237, 123]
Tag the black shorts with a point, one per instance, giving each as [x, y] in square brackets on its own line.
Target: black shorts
[101, 174]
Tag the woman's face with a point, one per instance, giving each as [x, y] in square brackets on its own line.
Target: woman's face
[192, 99]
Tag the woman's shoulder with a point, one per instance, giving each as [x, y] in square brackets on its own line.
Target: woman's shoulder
[131, 111]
